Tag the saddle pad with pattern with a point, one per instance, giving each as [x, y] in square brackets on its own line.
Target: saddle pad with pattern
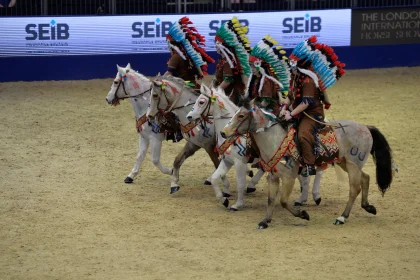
[326, 147]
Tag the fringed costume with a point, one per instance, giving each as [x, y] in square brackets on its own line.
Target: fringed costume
[188, 59]
[272, 74]
[315, 68]
[232, 69]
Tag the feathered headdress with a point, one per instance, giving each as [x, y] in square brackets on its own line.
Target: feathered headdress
[265, 53]
[233, 43]
[188, 43]
[317, 61]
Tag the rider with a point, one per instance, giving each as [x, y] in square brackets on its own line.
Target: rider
[315, 67]
[271, 74]
[232, 69]
[188, 59]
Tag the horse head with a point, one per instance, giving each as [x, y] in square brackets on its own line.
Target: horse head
[167, 91]
[127, 83]
[203, 105]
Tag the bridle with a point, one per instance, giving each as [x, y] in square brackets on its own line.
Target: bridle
[248, 130]
[171, 107]
[121, 82]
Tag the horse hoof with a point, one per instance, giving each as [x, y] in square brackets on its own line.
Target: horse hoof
[318, 201]
[250, 190]
[262, 225]
[251, 174]
[174, 189]
[304, 215]
[226, 194]
[298, 203]
[226, 203]
[233, 209]
[371, 209]
[128, 180]
[339, 221]
[207, 183]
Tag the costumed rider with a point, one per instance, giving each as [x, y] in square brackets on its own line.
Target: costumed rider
[315, 67]
[270, 74]
[232, 69]
[188, 59]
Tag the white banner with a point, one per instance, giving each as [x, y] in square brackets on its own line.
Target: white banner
[40, 36]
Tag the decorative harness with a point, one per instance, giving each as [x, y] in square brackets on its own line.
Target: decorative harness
[184, 128]
[116, 99]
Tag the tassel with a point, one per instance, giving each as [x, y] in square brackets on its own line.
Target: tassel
[192, 133]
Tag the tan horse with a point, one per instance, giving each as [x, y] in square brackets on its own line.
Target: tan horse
[355, 141]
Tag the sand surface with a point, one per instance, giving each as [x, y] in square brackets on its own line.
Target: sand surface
[65, 212]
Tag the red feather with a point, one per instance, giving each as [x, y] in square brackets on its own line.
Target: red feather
[312, 39]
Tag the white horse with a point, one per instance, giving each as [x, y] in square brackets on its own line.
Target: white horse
[355, 141]
[129, 84]
[214, 103]
[171, 94]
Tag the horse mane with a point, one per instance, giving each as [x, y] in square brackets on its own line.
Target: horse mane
[171, 78]
[180, 82]
[225, 98]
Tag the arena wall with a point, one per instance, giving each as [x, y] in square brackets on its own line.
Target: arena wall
[362, 38]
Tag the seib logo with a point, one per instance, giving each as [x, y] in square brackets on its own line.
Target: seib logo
[45, 31]
[215, 25]
[302, 24]
[151, 29]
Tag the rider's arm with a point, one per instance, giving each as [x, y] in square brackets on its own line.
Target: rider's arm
[227, 76]
[173, 63]
[308, 96]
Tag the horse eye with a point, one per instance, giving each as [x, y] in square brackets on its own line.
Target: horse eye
[155, 96]
[201, 102]
[116, 82]
[241, 116]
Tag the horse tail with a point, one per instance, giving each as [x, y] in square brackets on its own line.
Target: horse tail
[382, 155]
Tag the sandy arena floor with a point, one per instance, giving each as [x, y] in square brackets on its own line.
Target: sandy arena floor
[65, 212]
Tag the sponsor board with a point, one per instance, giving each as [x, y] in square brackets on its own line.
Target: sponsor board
[40, 36]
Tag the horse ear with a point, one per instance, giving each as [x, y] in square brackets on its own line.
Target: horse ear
[204, 89]
[120, 70]
[128, 66]
[155, 83]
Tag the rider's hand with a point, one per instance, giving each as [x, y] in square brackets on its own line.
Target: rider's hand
[283, 112]
[288, 116]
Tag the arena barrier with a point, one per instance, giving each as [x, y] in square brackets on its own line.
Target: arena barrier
[73, 48]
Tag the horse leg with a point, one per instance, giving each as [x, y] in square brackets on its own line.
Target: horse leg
[241, 171]
[214, 156]
[254, 181]
[188, 150]
[304, 189]
[315, 189]
[141, 155]
[355, 177]
[249, 171]
[156, 148]
[365, 192]
[285, 191]
[273, 189]
[208, 180]
[221, 170]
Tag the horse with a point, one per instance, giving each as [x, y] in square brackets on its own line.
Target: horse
[129, 84]
[172, 94]
[214, 103]
[354, 141]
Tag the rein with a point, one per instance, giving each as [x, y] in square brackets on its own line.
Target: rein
[324, 123]
[116, 98]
